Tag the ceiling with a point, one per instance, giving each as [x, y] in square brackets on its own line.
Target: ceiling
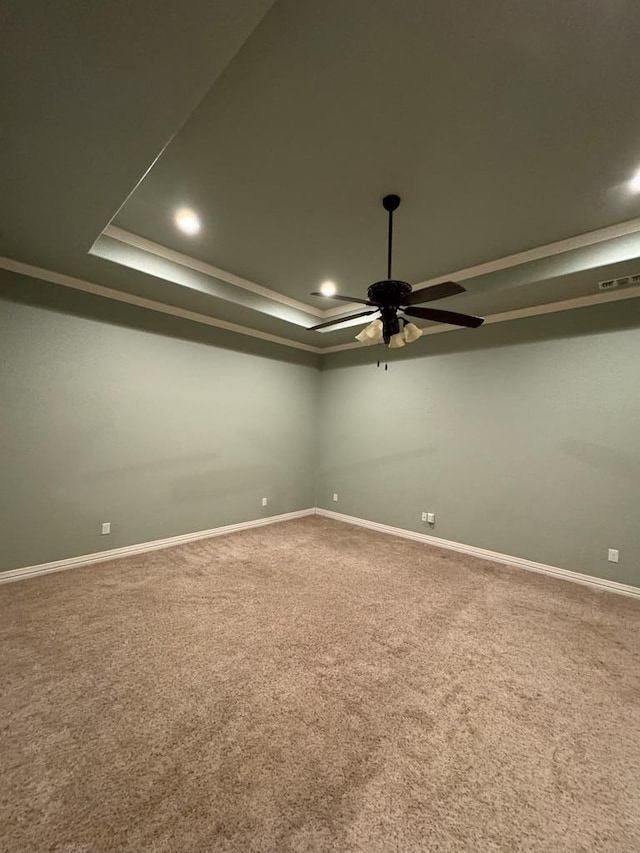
[505, 127]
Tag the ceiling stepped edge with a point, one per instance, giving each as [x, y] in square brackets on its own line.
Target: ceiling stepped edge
[63, 280]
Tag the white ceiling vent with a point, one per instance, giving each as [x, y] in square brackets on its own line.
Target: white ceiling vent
[624, 281]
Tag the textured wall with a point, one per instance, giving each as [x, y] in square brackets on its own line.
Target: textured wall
[157, 433]
[522, 437]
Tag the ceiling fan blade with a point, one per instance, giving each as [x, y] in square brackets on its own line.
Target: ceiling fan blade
[434, 291]
[439, 316]
[341, 320]
[346, 298]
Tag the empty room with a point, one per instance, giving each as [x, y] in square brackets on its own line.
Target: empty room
[320, 426]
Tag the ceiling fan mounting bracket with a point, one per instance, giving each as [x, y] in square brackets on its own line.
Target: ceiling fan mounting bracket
[391, 202]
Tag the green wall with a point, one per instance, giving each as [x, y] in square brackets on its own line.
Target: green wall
[522, 437]
[148, 422]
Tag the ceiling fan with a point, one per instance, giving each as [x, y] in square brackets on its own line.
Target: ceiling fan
[388, 297]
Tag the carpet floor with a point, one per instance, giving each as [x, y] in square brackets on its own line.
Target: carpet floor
[312, 686]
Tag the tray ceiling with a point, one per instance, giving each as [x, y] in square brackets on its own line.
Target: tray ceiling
[504, 127]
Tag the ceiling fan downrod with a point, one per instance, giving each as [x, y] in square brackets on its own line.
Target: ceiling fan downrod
[390, 203]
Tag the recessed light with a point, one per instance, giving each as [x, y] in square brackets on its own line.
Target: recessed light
[327, 288]
[187, 221]
[634, 183]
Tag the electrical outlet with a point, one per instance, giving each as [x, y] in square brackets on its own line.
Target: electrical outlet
[613, 555]
[335, 496]
[431, 518]
[264, 501]
[106, 527]
[424, 516]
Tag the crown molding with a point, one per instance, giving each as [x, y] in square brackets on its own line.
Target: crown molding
[160, 251]
[121, 296]
[136, 242]
[152, 304]
[570, 244]
[579, 241]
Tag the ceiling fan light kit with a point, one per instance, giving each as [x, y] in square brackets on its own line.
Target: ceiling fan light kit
[371, 334]
[411, 333]
[396, 341]
[390, 296]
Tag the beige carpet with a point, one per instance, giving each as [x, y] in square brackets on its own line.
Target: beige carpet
[312, 686]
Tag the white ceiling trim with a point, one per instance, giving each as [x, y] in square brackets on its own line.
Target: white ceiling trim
[580, 241]
[121, 296]
[589, 238]
[518, 314]
[142, 302]
[179, 258]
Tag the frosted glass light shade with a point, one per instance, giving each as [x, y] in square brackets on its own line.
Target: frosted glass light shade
[371, 333]
[374, 330]
[411, 333]
[396, 341]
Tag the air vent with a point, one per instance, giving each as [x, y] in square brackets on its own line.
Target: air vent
[624, 281]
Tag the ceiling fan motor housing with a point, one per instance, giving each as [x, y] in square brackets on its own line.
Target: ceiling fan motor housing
[388, 292]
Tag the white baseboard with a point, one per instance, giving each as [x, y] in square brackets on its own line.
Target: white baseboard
[483, 553]
[143, 547]
[425, 538]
